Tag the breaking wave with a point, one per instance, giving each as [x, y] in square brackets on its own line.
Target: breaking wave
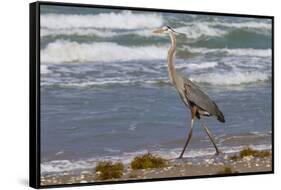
[67, 51]
[102, 25]
[197, 66]
[255, 25]
[231, 78]
[62, 51]
[200, 30]
[122, 20]
[225, 78]
[237, 51]
[78, 32]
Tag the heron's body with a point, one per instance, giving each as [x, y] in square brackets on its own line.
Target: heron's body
[203, 105]
[199, 103]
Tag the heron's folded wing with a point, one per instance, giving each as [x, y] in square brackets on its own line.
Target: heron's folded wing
[195, 95]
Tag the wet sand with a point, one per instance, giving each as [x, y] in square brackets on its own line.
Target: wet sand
[208, 165]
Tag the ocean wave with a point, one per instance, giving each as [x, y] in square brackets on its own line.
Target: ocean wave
[198, 30]
[64, 165]
[197, 66]
[67, 51]
[225, 78]
[249, 52]
[79, 32]
[122, 20]
[237, 51]
[105, 83]
[56, 166]
[254, 25]
[231, 78]
[195, 30]
[102, 33]
[53, 25]
[44, 69]
[61, 51]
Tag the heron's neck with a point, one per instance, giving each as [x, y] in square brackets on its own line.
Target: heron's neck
[170, 58]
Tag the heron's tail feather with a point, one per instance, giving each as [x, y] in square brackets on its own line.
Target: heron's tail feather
[220, 117]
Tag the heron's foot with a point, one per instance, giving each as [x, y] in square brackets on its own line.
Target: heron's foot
[178, 158]
[218, 153]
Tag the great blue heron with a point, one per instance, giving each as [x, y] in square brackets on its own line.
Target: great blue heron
[199, 103]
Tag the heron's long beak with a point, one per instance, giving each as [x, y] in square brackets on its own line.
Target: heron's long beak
[158, 31]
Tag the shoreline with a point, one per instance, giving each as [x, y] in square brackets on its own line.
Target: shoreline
[186, 167]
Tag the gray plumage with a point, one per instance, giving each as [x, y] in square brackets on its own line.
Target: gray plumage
[196, 96]
[199, 103]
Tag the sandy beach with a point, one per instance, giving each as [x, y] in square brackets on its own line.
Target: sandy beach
[211, 165]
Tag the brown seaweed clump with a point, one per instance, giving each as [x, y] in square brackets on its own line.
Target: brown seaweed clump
[147, 161]
[226, 170]
[108, 170]
[251, 152]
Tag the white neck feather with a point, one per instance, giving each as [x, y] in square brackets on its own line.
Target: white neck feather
[170, 58]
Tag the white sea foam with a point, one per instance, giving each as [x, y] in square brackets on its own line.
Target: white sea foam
[56, 166]
[195, 30]
[197, 66]
[122, 20]
[237, 51]
[79, 32]
[231, 78]
[102, 82]
[65, 165]
[97, 83]
[200, 29]
[133, 126]
[64, 24]
[250, 52]
[234, 77]
[104, 33]
[237, 25]
[67, 51]
[44, 69]
[256, 25]
[111, 150]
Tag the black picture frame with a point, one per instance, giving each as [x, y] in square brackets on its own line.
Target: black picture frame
[34, 91]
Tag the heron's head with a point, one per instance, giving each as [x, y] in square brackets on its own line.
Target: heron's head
[164, 30]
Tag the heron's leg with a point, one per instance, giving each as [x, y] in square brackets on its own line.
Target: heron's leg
[188, 138]
[210, 136]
